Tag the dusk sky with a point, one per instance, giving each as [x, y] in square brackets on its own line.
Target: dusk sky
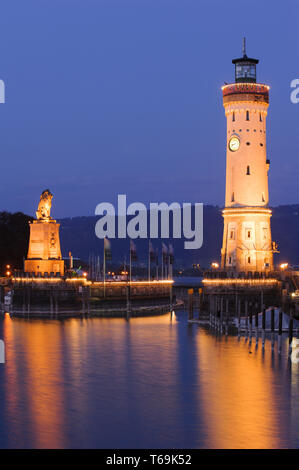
[124, 97]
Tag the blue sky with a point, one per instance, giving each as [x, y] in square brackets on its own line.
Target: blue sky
[123, 96]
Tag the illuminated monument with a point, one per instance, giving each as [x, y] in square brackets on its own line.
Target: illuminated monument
[247, 244]
[44, 254]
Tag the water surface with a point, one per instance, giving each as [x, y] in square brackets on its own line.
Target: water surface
[143, 383]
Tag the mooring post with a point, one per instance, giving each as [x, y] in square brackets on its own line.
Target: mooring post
[291, 330]
[226, 318]
[170, 298]
[88, 300]
[256, 323]
[128, 295]
[279, 330]
[51, 301]
[190, 303]
[246, 317]
[239, 317]
[272, 328]
[56, 303]
[221, 315]
[250, 322]
[28, 300]
[263, 327]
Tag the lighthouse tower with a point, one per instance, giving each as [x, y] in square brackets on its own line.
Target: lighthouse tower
[247, 244]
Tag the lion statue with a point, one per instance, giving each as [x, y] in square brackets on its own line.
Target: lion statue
[44, 206]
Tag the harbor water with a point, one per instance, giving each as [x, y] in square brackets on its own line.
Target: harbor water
[155, 382]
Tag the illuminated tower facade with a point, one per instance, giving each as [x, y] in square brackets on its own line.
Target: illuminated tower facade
[247, 243]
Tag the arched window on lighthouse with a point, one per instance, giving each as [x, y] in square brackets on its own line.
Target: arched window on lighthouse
[247, 115]
[234, 117]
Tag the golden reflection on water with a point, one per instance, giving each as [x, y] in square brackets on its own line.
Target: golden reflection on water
[238, 394]
[173, 384]
[42, 392]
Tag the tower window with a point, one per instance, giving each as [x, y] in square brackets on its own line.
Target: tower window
[248, 259]
[230, 260]
[234, 118]
[247, 143]
[261, 119]
[263, 198]
[233, 197]
[232, 235]
[248, 170]
[247, 115]
[262, 145]
[248, 234]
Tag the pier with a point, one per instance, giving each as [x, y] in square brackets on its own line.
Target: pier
[57, 297]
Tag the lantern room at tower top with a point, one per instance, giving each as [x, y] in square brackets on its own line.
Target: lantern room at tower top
[245, 68]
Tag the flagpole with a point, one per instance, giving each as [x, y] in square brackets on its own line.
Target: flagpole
[149, 262]
[130, 264]
[104, 267]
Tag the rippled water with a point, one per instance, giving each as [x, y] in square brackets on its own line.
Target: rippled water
[149, 382]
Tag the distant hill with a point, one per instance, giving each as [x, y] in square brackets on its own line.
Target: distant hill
[78, 236]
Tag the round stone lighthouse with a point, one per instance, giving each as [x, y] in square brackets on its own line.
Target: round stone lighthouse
[247, 244]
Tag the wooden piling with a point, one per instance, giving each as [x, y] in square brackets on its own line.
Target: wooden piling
[128, 296]
[272, 328]
[246, 317]
[250, 321]
[226, 317]
[291, 322]
[279, 330]
[190, 303]
[263, 327]
[272, 320]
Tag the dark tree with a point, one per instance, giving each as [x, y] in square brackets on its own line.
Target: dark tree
[14, 239]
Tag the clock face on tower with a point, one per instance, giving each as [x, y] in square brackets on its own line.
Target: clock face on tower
[234, 144]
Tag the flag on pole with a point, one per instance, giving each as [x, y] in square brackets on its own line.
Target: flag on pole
[164, 253]
[151, 252]
[170, 253]
[107, 249]
[133, 251]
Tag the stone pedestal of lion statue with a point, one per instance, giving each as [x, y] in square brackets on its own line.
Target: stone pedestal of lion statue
[44, 254]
